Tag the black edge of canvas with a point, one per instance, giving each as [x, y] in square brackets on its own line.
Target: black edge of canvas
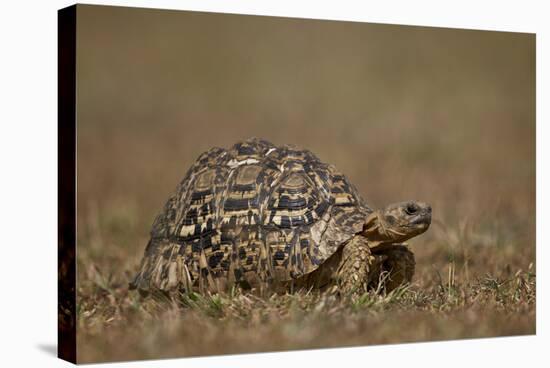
[66, 185]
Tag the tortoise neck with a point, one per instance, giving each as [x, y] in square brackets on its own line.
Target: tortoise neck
[378, 231]
[375, 230]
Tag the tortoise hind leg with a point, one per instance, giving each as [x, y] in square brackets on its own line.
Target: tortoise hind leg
[395, 267]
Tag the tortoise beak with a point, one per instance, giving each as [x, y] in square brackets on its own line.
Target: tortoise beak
[424, 217]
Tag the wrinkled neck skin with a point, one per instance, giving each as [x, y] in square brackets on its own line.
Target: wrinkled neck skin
[379, 234]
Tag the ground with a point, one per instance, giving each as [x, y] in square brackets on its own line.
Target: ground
[453, 296]
[442, 116]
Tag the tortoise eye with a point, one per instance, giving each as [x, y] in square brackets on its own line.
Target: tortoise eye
[411, 209]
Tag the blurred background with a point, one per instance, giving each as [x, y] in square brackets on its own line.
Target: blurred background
[445, 116]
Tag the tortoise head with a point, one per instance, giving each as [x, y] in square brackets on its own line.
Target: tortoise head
[398, 222]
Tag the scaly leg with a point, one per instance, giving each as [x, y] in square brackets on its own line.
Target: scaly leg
[352, 273]
[395, 266]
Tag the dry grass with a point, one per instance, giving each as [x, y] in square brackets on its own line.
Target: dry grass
[443, 116]
[120, 326]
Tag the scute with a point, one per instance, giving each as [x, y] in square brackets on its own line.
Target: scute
[247, 175]
[251, 215]
[205, 180]
[295, 202]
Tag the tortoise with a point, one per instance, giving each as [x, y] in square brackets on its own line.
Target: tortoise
[262, 217]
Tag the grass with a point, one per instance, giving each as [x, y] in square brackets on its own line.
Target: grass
[463, 288]
[118, 325]
[439, 115]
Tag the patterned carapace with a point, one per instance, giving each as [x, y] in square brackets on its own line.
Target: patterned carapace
[253, 213]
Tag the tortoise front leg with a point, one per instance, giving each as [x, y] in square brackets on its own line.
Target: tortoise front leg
[352, 275]
[394, 266]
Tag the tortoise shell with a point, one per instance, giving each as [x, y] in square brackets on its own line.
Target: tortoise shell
[253, 213]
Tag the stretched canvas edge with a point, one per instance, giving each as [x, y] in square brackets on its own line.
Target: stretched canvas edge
[66, 187]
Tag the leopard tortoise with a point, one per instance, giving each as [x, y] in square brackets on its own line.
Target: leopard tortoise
[261, 216]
